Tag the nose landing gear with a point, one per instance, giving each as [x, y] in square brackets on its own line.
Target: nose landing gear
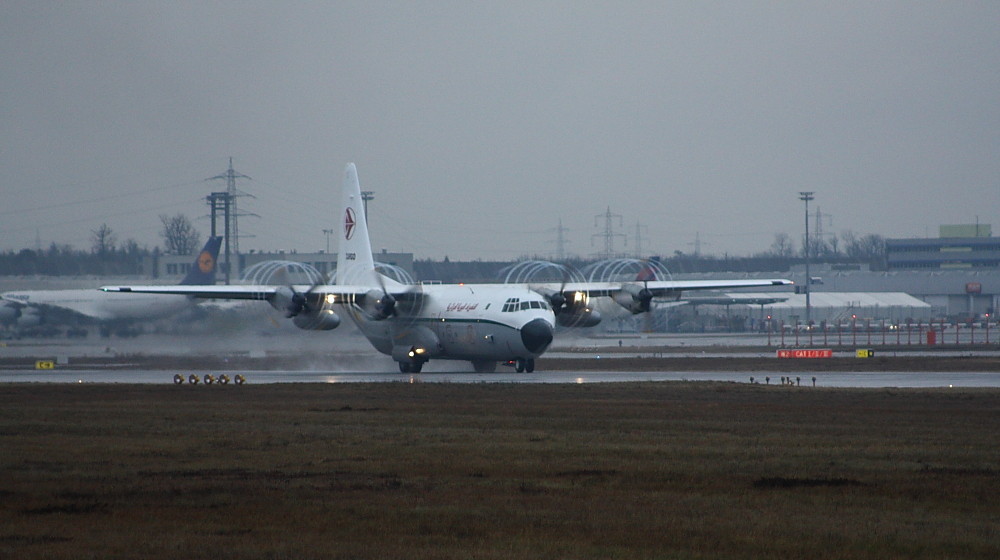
[410, 367]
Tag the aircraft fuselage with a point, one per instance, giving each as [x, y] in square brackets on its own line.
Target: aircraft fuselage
[465, 322]
[103, 306]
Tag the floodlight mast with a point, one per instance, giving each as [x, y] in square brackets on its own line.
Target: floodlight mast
[806, 196]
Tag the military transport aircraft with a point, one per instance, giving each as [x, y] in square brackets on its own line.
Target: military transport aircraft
[484, 324]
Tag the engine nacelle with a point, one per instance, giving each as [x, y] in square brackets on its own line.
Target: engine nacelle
[9, 313]
[322, 320]
[287, 301]
[583, 317]
[29, 318]
[574, 311]
[378, 305]
[634, 297]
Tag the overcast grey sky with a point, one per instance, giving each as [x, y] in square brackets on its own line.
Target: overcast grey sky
[479, 125]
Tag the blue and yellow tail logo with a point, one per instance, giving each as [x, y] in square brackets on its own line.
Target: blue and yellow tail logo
[206, 262]
[202, 272]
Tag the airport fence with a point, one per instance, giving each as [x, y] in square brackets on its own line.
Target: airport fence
[884, 333]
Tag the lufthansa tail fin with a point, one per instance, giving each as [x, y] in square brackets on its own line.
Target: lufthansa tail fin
[202, 272]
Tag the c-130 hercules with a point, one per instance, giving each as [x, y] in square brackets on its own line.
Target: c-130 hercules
[484, 324]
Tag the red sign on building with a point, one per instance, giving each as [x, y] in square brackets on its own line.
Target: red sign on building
[806, 353]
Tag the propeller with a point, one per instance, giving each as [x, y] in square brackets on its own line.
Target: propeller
[557, 300]
[379, 303]
[645, 296]
[304, 309]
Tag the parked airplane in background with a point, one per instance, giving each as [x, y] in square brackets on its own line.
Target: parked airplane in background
[481, 323]
[28, 308]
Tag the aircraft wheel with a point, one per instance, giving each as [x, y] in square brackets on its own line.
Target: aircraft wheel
[209, 379]
[178, 379]
[416, 367]
[240, 379]
[224, 379]
[193, 379]
[519, 365]
[529, 366]
[404, 367]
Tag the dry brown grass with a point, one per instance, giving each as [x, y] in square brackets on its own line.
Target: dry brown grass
[668, 470]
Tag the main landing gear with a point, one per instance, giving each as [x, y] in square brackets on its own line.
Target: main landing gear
[522, 365]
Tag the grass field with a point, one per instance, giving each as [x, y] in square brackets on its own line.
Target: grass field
[496, 471]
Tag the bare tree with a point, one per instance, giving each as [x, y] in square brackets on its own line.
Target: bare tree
[867, 247]
[834, 244]
[179, 236]
[782, 246]
[103, 240]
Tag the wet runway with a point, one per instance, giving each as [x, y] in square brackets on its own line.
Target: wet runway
[825, 379]
[375, 368]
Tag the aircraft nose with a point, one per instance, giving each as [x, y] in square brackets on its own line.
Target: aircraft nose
[536, 335]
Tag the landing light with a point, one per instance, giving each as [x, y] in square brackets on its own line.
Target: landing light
[331, 298]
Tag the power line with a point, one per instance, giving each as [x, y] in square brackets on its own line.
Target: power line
[609, 234]
[639, 228]
[226, 201]
[561, 241]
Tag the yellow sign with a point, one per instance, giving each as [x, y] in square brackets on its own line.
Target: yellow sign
[45, 364]
[865, 353]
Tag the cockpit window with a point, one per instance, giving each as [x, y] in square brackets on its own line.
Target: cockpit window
[510, 305]
[515, 304]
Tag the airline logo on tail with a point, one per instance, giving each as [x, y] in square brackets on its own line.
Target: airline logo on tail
[206, 262]
[349, 223]
[202, 271]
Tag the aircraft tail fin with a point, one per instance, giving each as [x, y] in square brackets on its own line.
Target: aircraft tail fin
[648, 271]
[355, 264]
[202, 272]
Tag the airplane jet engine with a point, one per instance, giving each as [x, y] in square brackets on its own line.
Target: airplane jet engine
[22, 317]
[29, 318]
[8, 314]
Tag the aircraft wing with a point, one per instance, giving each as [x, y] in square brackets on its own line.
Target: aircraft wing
[259, 292]
[659, 288]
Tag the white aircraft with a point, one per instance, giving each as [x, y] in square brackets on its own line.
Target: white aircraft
[26, 308]
[481, 323]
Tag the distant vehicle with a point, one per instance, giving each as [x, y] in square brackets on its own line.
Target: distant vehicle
[27, 309]
[484, 324]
